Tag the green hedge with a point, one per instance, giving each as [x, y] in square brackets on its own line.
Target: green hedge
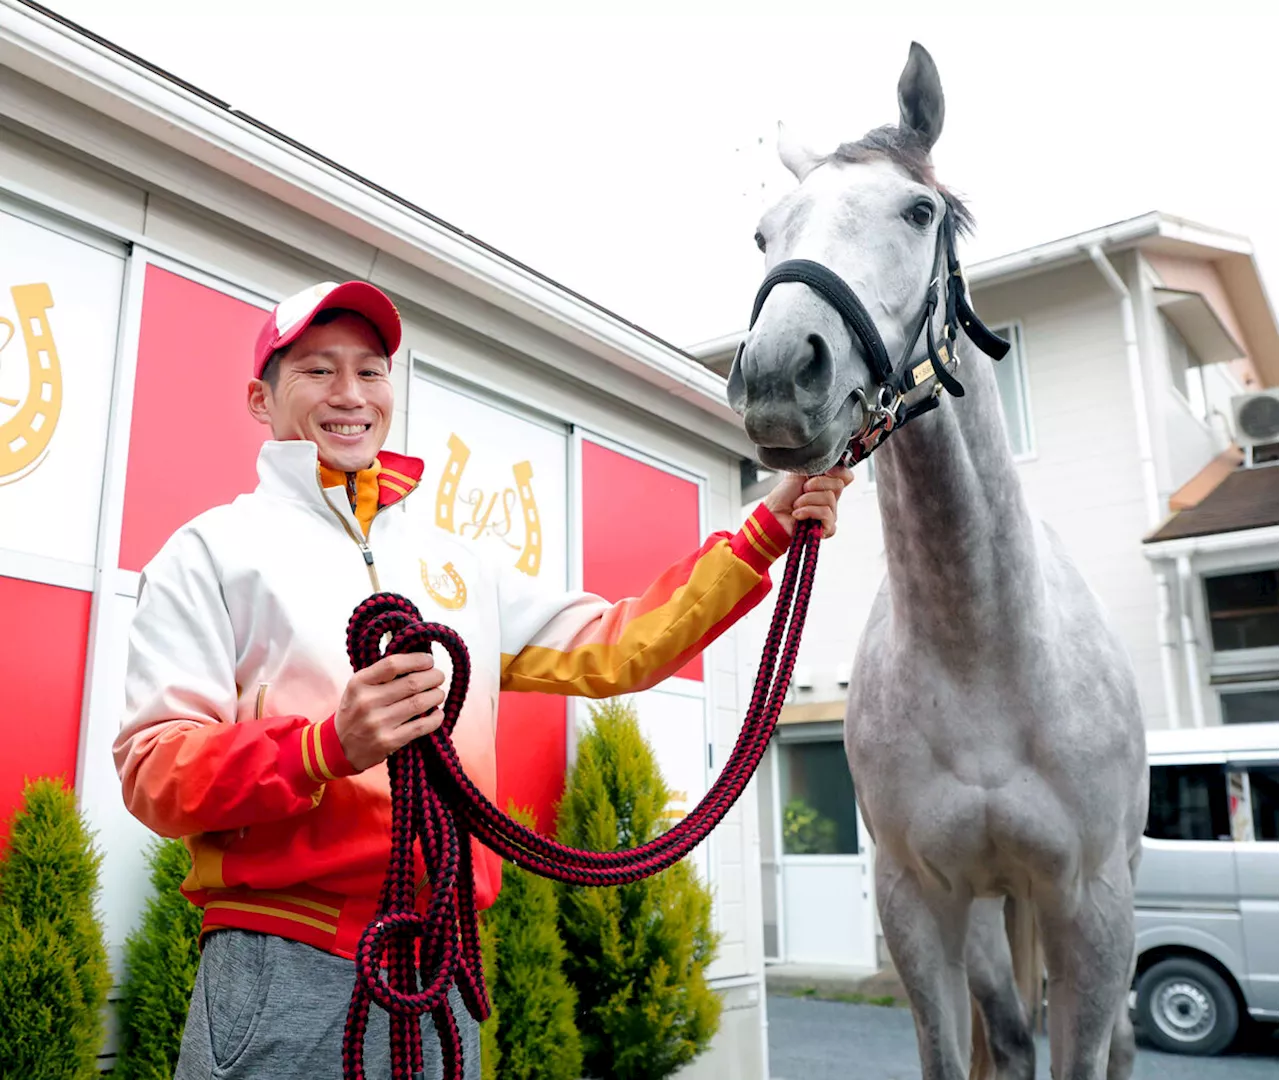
[536, 1037]
[53, 961]
[161, 959]
[637, 954]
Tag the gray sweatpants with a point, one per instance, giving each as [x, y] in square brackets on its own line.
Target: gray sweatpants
[265, 1008]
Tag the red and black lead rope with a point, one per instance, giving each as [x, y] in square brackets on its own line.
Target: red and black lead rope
[436, 806]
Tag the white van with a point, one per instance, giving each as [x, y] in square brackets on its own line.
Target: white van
[1207, 904]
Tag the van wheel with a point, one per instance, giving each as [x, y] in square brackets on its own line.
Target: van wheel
[1185, 1007]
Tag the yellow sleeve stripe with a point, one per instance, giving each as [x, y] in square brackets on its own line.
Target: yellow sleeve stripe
[758, 537]
[319, 748]
[757, 542]
[306, 757]
[648, 645]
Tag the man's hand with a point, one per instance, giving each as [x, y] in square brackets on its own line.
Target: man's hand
[806, 498]
[382, 707]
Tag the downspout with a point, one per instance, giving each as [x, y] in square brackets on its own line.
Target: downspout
[1151, 497]
[1190, 655]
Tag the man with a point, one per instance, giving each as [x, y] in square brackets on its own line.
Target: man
[247, 734]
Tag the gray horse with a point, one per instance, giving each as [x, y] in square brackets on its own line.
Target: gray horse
[993, 727]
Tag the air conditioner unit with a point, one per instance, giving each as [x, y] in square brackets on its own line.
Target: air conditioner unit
[1255, 418]
[843, 673]
[802, 678]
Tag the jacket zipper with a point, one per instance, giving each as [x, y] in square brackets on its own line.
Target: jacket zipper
[367, 552]
[360, 541]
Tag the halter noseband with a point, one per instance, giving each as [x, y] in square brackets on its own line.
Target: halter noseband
[887, 411]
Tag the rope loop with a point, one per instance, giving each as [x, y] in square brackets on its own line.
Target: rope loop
[436, 809]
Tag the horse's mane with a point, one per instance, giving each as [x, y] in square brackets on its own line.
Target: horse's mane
[905, 149]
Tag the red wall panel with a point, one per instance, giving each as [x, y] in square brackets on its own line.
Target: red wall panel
[531, 754]
[636, 521]
[192, 443]
[43, 643]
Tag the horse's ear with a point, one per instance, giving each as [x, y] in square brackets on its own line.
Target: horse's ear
[797, 157]
[920, 99]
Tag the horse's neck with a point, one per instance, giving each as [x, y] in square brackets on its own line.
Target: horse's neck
[959, 542]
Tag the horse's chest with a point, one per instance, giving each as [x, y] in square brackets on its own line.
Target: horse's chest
[950, 785]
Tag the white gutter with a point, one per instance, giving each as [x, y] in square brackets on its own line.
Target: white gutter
[1190, 650]
[55, 56]
[1151, 496]
[1268, 536]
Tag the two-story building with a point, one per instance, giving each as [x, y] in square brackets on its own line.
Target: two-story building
[1132, 347]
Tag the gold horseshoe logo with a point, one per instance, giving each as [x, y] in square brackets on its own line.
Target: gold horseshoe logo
[483, 521]
[25, 436]
[455, 597]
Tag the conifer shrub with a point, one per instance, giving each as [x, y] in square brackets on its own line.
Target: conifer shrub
[489, 1052]
[161, 959]
[637, 954]
[53, 960]
[537, 1037]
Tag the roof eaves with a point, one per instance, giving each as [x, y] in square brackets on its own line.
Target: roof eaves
[285, 160]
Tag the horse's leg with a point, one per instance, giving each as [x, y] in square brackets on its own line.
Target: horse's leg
[1088, 935]
[992, 983]
[1123, 1048]
[925, 932]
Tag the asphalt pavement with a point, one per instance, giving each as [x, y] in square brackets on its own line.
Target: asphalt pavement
[830, 1040]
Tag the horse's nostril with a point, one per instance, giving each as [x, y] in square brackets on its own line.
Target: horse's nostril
[816, 371]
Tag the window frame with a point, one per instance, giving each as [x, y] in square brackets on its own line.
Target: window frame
[1012, 330]
[1255, 651]
[1170, 334]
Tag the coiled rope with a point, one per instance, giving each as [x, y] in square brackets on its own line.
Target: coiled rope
[436, 806]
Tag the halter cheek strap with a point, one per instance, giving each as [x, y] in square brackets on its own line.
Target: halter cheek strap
[886, 416]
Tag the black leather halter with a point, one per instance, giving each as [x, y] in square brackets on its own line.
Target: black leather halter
[888, 410]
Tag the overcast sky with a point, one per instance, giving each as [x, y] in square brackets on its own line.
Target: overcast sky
[628, 156]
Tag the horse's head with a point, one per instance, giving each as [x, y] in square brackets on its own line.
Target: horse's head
[872, 214]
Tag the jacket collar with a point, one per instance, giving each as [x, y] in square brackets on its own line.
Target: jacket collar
[291, 470]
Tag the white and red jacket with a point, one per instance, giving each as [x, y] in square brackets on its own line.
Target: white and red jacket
[237, 661]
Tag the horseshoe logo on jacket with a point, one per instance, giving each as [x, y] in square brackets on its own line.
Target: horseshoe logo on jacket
[446, 588]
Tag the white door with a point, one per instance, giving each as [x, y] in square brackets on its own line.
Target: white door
[827, 897]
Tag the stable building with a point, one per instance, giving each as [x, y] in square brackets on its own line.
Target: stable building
[144, 229]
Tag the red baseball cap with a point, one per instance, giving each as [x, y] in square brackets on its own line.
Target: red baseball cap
[289, 318]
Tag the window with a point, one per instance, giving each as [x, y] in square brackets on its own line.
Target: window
[819, 815]
[1262, 793]
[1249, 706]
[1188, 802]
[1011, 378]
[1242, 610]
[1184, 368]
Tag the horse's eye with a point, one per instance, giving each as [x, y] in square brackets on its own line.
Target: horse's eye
[759, 240]
[921, 214]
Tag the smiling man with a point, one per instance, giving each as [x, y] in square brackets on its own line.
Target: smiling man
[247, 734]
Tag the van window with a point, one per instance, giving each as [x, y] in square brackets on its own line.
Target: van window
[1262, 793]
[1188, 802]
